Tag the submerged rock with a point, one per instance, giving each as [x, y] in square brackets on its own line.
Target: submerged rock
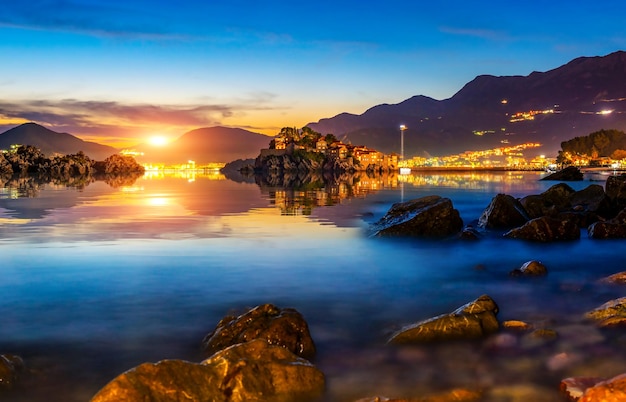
[471, 321]
[570, 173]
[617, 279]
[431, 216]
[283, 327]
[610, 314]
[504, 212]
[546, 229]
[253, 371]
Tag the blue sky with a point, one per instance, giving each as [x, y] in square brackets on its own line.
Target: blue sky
[118, 72]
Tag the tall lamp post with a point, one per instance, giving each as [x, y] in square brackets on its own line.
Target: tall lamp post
[402, 128]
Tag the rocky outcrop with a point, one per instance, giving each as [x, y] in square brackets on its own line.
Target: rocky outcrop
[530, 268]
[252, 371]
[282, 163]
[610, 314]
[504, 212]
[546, 229]
[5, 166]
[471, 321]
[118, 165]
[431, 216]
[283, 327]
[549, 203]
[570, 173]
[455, 395]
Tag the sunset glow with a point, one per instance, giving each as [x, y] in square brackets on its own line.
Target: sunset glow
[139, 66]
[158, 141]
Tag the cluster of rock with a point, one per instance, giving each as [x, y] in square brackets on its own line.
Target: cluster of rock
[261, 355]
[557, 214]
[27, 160]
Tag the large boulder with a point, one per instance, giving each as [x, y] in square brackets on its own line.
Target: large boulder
[591, 199]
[430, 216]
[546, 229]
[504, 212]
[570, 173]
[607, 230]
[253, 371]
[283, 327]
[470, 321]
[549, 203]
[610, 314]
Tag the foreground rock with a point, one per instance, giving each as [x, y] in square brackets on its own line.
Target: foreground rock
[612, 229]
[546, 229]
[471, 321]
[610, 314]
[615, 188]
[570, 173]
[253, 371]
[282, 327]
[591, 389]
[504, 212]
[431, 216]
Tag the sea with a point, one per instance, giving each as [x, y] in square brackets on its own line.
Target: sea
[100, 277]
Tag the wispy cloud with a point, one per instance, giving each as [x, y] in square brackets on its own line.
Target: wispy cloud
[94, 18]
[119, 122]
[488, 34]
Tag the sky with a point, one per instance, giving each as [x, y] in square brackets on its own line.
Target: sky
[122, 72]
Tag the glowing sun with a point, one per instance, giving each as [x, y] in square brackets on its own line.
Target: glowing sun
[158, 141]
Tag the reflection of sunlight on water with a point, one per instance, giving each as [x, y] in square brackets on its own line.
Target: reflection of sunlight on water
[157, 201]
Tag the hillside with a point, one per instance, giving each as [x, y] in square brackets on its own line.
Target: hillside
[545, 107]
[50, 142]
[203, 145]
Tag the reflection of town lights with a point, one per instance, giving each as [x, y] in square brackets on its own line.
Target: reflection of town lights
[605, 112]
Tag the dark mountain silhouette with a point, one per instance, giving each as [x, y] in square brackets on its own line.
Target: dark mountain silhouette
[51, 142]
[479, 115]
[203, 145]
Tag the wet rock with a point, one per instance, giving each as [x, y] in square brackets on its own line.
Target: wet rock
[283, 327]
[546, 229]
[530, 268]
[11, 366]
[471, 321]
[516, 325]
[612, 390]
[574, 387]
[606, 230]
[570, 173]
[504, 212]
[617, 279]
[610, 314]
[118, 164]
[549, 203]
[431, 216]
[469, 233]
[253, 371]
[591, 199]
[615, 188]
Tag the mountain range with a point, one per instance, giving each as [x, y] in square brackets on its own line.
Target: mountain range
[585, 95]
[51, 142]
[580, 97]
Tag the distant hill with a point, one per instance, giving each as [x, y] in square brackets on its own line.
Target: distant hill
[211, 144]
[480, 115]
[50, 142]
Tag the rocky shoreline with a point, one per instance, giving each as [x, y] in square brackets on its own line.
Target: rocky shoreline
[28, 163]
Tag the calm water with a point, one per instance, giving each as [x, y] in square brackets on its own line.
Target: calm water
[98, 280]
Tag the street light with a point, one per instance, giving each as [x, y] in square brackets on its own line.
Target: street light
[402, 128]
